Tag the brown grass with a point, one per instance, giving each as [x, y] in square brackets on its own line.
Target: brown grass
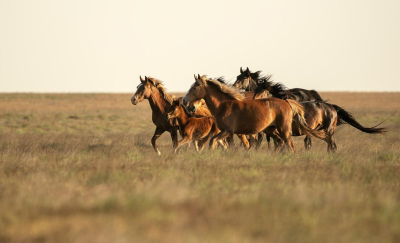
[80, 168]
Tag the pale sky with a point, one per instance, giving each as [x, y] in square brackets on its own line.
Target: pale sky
[103, 46]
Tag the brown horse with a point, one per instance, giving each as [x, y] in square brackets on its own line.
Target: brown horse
[249, 81]
[318, 115]
[160, 101]
[234, 115]
[196, 129]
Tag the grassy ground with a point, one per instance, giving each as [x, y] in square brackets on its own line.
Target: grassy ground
[80, 168]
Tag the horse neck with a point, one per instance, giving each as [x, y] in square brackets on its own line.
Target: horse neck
[157, 103]
[252, 85]
[183, 117]
[214, 97]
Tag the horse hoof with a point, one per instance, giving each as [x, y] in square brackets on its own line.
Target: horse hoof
[158, 152]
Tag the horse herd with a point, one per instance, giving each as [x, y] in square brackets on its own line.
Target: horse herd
[252, 107]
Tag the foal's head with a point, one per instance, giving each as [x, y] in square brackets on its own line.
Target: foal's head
[175, 109]
[247, 80]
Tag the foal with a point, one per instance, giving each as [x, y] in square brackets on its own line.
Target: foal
[195, 129]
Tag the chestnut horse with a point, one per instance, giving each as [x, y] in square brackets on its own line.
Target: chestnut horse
[319, 115]
[234, 115]
[160, 101]
[196, 129]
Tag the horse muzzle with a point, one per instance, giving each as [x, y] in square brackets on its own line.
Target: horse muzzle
[134, 101]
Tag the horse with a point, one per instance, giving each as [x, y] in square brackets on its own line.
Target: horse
[234, 115]
[249, 81]
[319, 115]
[160, 101]
[196, 129]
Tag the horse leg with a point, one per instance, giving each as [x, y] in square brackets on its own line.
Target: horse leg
[230, 141]
[331, 143]
[244, 140]
[268, 140]
[174, 137]
[219, 136]
[253, 140]
[156, 135]
[307, 143]
[185, 139]
[196, 145]
[259, 140]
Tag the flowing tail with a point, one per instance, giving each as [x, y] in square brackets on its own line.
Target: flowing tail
[298, 118]
[347, 118]
[316, 96]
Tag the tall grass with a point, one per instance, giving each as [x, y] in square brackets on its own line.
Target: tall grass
[80, 168]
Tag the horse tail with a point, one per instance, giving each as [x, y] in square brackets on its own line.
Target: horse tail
[298, 118]
[346, 117]
[316, 96]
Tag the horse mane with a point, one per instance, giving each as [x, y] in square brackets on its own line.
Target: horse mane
[277, 90]
[222, 86]
[160, 86]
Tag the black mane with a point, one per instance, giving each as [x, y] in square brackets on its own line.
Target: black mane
[277, 90]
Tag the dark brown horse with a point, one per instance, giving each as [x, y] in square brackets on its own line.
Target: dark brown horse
[234, 115]
[319, 115]
[196, 129]
[160, 101]
[249, 81]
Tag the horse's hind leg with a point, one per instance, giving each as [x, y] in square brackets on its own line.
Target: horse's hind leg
[202, 142]
[156, 135]
[219, 136]
[244, 140]
[331, 143]
[307, 143]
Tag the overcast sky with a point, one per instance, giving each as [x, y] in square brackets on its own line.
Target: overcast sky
[103, 46]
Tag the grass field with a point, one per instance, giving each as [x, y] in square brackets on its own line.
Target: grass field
[80, 168]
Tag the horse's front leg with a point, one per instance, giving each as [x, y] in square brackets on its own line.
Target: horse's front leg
[174, 137]
[156, 135]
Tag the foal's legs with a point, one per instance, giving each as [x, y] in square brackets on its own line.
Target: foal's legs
[185, 139]
[156, 135]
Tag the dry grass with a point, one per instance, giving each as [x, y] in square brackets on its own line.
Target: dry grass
[80, 168]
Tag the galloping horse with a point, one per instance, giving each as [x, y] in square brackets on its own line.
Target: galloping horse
[160, 101]
[234, 115]
[249, 81]
[319, 115]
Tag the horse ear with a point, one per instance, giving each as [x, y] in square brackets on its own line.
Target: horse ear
[141, 79]
[195, 78]
[198, 79]
[150, 81]
[145, 78]
[241, 70]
